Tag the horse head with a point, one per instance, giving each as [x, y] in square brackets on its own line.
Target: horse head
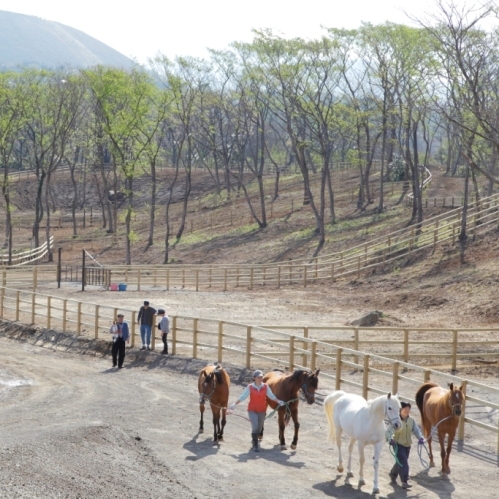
[207, 387]
[310, 385]
[456, 398]
[392, 410]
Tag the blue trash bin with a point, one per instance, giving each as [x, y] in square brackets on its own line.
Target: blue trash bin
[122, 287]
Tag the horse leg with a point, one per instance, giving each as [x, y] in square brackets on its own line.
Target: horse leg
[450, 439]
[338, 443]
[350, 449]
[430, 439]
[216, 423]
[282, 427]
[441, 440]
[361, 462]
[201, 426]
[294, 415]
[377, 452]
[221, 433]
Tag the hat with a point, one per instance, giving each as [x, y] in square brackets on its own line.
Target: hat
[146, 303]
[405, 404]
[161, 311]
[257, 374]
[121, 315]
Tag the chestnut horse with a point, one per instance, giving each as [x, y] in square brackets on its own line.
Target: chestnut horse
[213, 386]
[440, 408]
[285, 386]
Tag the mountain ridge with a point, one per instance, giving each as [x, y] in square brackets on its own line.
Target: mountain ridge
[29, 41]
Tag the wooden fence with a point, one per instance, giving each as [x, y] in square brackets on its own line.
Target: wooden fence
[251, 345]
[27, 257]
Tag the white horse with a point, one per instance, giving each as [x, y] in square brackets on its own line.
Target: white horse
[363, 421]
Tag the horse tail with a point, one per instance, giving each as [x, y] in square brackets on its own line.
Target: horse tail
[420, 399]
[329, 402]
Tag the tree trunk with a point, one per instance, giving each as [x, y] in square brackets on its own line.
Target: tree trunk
[152, 215]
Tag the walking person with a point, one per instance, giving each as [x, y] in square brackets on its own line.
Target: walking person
[402, 441]
[257, 406]
[146, 321]
[164, 327]
[121, 335]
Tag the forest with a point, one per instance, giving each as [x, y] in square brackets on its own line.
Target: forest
[398, 95]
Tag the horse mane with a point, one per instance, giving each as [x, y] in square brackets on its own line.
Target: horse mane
[420, 399]
[218, 374]
[298, 374]
[378, 403]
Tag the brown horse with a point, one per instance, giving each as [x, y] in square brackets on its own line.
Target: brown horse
[440, 408]
[213, 386]
[285, 386]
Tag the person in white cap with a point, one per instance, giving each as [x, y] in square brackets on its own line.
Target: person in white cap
[257, 406]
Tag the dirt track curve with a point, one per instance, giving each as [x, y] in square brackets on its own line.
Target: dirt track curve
[71, 426]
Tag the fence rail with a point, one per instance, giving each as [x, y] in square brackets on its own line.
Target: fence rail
[210, 338]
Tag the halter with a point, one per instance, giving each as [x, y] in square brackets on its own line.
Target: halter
[304, 388]
[205, 397]
[453, 407]
[387, 419]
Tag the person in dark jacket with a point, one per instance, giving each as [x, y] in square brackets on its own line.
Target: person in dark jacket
[146, 321]
[257, 392]
[402, 441]
[121, 335]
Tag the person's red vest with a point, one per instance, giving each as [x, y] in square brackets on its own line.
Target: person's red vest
[258, 402]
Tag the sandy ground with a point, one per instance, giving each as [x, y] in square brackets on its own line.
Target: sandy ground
[71, 426]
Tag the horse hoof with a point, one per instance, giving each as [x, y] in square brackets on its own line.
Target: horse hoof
[220, 439]
[293, 447]
[260, 437]
[340, 469]
[362, 482]
[375, 491]
[284, 447]
[349, 474]
[201, 430]
[432, 464]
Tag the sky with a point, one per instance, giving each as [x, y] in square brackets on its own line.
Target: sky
[187, 27]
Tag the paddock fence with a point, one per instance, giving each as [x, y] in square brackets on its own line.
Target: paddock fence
[253, 345]
[28, 256]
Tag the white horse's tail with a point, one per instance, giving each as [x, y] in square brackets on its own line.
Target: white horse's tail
[329, 402]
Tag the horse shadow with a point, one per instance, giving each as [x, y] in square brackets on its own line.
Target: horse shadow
[274, 455]
[349, 489]
[201, 448]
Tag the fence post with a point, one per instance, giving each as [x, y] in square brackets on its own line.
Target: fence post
[291, 353]
[167, 279]
[251, 278]
[460, 431]
[197, 279]
[96, 322]
[155, 276]
[365, 377]
[2, 296]
[356, 345]
[33, 298]
[35, 278]
[138, 280]
[78, 320]
[305, 347]
[406, 345]
[49, 310]
[313, 355]
[225, 279]
[304, 276]
[248, 347]
[278, 277]
[18, 303]
[153, 336]
[338, 368]
[174, 335]
[220, 340]
[454, 351]
[426, 375]
[195, 339]
[134, 324]
[395, 378]
[64, 315]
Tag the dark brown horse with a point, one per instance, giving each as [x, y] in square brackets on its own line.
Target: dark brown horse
[440, 408]
[213, 386]
[285, 386]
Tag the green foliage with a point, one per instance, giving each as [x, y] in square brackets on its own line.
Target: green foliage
[396, 169]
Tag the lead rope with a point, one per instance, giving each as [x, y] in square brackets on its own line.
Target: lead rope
[424, 463]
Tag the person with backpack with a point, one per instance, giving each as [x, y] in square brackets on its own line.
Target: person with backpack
[164, 327]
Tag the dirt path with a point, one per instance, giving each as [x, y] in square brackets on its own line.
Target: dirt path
[70, 426]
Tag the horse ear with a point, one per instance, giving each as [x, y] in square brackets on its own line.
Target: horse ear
[451, 386]
[389, 395]
[461, 388]
[317, 371]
